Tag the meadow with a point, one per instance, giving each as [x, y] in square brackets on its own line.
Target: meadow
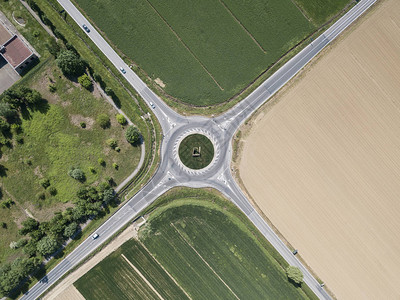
[204, 52]
[204, 243]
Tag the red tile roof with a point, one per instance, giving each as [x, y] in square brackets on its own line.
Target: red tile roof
[16, 52]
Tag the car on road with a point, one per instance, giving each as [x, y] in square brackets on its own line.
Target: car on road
[122, 70]
[86, 28]
[95, 236]
[152, 105]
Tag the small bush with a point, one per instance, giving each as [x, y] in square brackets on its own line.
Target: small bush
[118, 149]
[97, 77]
[85, 81]
[112, 143]
[52, 88]
[92, 170]
[6, 203]
[103, 120]
[36, 33]
[121, 119]
[77, 174]
[41, 196]
[83, 124]
[13, 245]
[19, 139]
[28, 161]
[109, 91]
[53, 191]
[101, 162]
[115, 166]
[3, 225]
[44, 183]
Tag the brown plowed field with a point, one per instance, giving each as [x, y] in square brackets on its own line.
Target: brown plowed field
[323, 164]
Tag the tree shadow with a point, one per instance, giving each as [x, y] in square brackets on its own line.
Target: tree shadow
[3, 171]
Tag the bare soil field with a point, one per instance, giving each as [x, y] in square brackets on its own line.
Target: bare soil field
[323, 163]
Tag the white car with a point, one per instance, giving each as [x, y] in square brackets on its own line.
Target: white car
[95, 236]
[152, 105]
[122, 70]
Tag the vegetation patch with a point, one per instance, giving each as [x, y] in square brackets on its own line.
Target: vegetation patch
[206, 244]
[196, 151]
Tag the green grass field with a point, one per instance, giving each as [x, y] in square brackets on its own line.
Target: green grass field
[206, 244]
[202, 144]
[206, 51]
[320, 11]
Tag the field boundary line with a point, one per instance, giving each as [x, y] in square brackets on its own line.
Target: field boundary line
[142, 276]
[241, 25]
[184, 44]
[302, 11]
[176, 229]
[173, 279]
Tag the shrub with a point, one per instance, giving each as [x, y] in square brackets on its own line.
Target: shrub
[53, 191]
[83, 124]
[112, 143]
[294, 274]
[103, 120]
[19, 139]
[36, 33]
[30, 248]
[77, 174]
[21, 243]
[109, 91]
[117, 149]
[92, 170]
[44, 183]
[13, 245]
[115, 166]
[40, 196]
[101, 162]
[132, 135]
[97, 77]
[121, 119]
[70, 63]
[3, 225]
[85, 81]
[7, 203]
[52, 88]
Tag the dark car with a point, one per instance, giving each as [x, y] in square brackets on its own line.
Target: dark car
[86, 28]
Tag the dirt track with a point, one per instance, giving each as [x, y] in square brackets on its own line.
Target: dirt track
[323, 164]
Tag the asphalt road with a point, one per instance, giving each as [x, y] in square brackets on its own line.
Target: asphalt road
[220, 130]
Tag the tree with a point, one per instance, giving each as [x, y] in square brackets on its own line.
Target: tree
[85, 81]
[21, 96]
[294, 274]
[77, 174]
[30, 248]
[103, 120]
[108, 195]
[47, 245]
[112, 143]
[70, 229]
[53, 47]
[6, 111]
[53, 191]
[70, 63]
[109, 91]
[4, 126]
[121, 119]
[29, 225]
[132, 135]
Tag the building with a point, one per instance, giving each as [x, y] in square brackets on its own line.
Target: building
[14, 50]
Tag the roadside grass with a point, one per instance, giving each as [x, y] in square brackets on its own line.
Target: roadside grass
[186, 228]
[207, 42]
[11, 216]
[202, 144]
[320, 11]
